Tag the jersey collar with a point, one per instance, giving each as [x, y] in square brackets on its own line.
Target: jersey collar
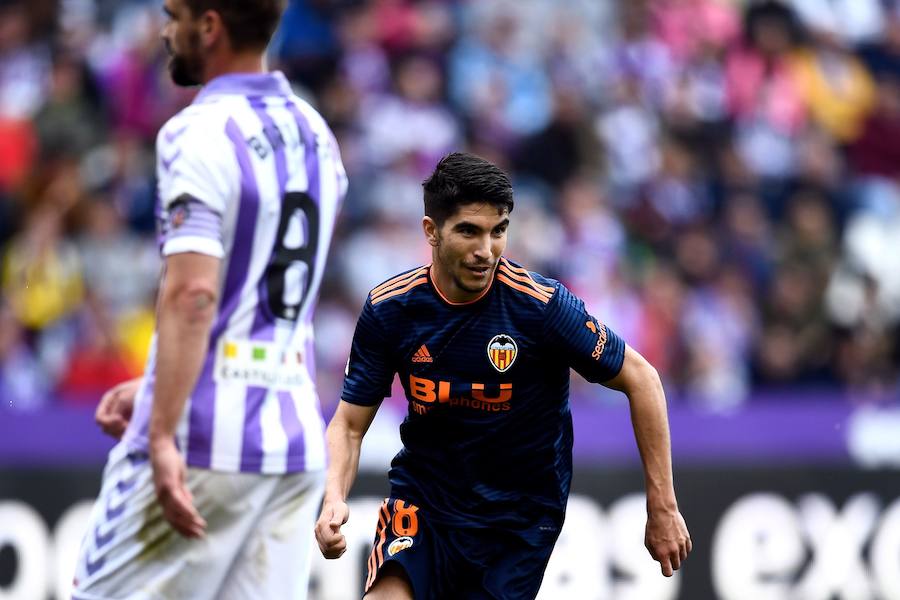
[247, 84]
[441, 295]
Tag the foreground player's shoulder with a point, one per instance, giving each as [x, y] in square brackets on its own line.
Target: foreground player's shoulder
[526, 286]
[195, 157]
[198, 125]
[399, 287]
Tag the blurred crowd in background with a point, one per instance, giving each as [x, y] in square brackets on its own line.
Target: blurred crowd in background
[718, 179]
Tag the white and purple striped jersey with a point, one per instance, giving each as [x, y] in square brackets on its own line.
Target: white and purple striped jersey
[251, 174]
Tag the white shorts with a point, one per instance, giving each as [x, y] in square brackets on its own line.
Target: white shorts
[259, 538]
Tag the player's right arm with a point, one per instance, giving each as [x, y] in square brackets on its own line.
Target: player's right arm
[367, 382]
[344, 438]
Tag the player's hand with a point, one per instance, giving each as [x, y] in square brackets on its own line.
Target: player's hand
[169, 475]
[332, 542]
[667, 539]
[115, 408]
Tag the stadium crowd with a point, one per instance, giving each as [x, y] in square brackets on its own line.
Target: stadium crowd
[717, 178]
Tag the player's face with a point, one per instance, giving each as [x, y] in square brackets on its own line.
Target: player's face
[467, 247]
[181, 37]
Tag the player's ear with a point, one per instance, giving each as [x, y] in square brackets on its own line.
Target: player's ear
[431, 231]
[211, 28]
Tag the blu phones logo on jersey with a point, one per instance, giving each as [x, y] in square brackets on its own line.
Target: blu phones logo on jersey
[425, 394]
[502, 351]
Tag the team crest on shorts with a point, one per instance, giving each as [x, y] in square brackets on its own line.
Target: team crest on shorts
[502, 351]
[399, 545]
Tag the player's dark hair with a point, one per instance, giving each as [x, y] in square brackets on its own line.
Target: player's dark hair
[461, 178]
[250, 23]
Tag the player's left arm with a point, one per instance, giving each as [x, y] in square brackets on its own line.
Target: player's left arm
[600, 356]
[186, 309]
[116, 406]
[666, 536]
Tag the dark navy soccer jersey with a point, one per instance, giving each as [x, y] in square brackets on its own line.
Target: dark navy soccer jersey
[488, 437]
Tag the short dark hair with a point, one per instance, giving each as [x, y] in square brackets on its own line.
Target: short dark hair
[250, 23]
[462, 178]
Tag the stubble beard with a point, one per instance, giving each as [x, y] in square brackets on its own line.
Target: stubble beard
[456, 269]
[185, 69]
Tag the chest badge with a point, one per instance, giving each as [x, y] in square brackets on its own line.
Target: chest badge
[502, 351]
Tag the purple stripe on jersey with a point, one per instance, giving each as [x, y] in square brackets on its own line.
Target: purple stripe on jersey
[263, 320]
[259, 107]
[296, 455]
[315, 192]
[245, 228]
[203, 401]
[251, 446]
[310, 360]
[312, 154]
[203, 413]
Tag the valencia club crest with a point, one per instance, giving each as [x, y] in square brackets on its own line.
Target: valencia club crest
[502, 351]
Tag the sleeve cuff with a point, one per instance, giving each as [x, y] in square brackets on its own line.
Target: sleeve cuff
[201, 245]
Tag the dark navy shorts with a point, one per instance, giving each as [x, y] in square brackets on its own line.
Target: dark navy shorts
[444, 563]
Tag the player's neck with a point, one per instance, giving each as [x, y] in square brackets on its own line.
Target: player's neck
[447, 287]
[241, 62]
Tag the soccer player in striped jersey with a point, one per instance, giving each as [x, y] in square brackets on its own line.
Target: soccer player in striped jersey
[214, 488]
[483, 348]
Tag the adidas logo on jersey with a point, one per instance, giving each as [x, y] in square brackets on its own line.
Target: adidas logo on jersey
[422, 355]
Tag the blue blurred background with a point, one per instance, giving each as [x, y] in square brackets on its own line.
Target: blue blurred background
[718, 179]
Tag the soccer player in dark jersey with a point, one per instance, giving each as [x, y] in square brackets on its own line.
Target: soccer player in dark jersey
[483, 348]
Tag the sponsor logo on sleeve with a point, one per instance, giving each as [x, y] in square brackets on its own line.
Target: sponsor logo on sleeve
[599, 329]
